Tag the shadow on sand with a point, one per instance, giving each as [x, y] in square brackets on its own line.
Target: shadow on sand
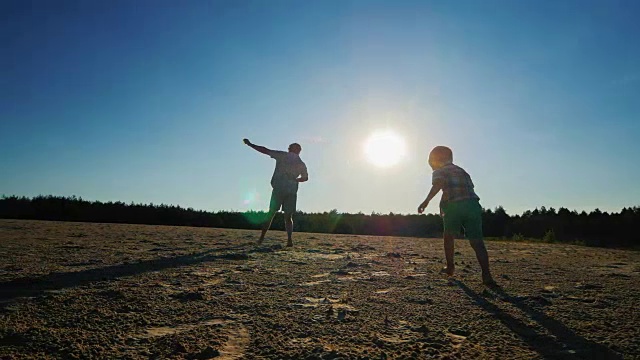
[560, 342]
[34, 286]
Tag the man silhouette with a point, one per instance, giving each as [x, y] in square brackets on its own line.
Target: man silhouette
[289, 172]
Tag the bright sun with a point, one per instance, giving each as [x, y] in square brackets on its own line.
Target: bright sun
[384, 148]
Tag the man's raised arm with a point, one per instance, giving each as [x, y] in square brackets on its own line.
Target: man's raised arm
[258, 148]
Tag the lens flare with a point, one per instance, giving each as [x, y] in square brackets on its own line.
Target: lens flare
[251, 201]
[250, 198]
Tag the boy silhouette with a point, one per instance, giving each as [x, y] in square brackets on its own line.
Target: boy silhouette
[459, 207]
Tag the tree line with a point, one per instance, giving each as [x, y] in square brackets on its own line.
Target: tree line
[596, 228]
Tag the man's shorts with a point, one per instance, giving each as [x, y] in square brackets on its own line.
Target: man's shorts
[465, 214]
[283, 199]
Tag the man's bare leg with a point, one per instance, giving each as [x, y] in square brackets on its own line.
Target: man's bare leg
[448, 254]
[266, 225]
[288, 224]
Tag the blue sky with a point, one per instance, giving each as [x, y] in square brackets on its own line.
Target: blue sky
[148, 101]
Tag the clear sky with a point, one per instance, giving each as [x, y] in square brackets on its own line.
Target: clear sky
[148, 100]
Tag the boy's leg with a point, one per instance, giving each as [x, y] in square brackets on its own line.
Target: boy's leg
[483, 258]
[473, 229]
[274, 206]
[448, 253]
[452, 223]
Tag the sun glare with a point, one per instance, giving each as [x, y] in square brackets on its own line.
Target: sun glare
[384, 148]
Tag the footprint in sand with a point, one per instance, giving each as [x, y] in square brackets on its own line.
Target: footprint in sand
[380, 273]
[236, 344]
[320, 275]
[414, 276]
[213, 282]
[457, 337]
[586, 286]
[336, 305]
[397, 332]
[238, 338]
[314, 283]
[170, 330]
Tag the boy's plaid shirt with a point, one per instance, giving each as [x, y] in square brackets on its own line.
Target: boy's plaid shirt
[455, 182]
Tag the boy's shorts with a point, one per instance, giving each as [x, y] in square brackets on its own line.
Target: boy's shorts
[465, 214]
[283, 199]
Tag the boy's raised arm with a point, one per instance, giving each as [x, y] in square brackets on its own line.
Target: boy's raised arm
[258, 148]
[434, 190]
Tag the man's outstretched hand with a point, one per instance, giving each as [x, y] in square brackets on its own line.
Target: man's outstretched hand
[257, 148]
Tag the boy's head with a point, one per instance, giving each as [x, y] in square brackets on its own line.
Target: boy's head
[440, 156]
[295, 148]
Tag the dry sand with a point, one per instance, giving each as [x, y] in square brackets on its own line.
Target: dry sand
[74, 290]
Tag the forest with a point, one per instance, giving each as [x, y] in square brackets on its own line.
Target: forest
[596, 228]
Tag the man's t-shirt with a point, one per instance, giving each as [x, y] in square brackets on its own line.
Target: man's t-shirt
[288, 167]
[455, 182]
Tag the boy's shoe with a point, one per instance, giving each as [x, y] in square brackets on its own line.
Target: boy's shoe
[487, 279]
[447, 270]
[289, 243]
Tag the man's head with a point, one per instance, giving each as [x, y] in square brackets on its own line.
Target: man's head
[295, 148]
[440, 156]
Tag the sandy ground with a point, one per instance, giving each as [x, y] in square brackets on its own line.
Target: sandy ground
[73, 290]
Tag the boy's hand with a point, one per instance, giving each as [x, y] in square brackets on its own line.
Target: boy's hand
[422, 207]
[434, 190]
[246, 141]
